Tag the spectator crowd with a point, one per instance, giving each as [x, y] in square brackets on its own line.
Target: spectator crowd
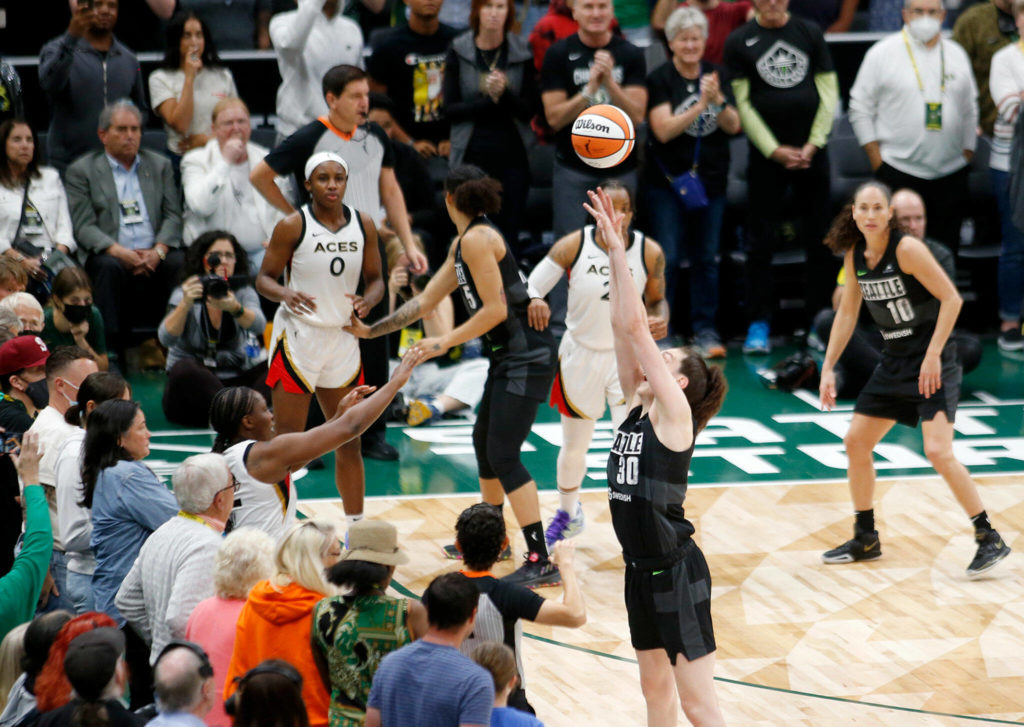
[115, 254]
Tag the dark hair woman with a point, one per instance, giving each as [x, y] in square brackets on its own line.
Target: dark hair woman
[213, 330]
[366, 616]
[670, 395]
[270, 695]
[915, 304]
[127, 500]
[33, 204]
[71, 319]
[482, 267]
[189, 83]
[490, 96]
[74, 521]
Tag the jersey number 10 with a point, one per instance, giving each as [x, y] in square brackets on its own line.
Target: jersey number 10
[901, 310]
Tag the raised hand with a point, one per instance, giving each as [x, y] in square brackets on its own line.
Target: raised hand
[352, 398]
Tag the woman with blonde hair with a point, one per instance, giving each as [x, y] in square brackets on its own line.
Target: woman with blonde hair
[12, 651]
[245, 558]
[276, 620]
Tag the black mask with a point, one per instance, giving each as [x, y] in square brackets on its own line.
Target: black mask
[39, 393]
[76, 313]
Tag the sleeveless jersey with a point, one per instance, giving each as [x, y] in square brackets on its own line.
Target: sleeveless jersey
[588, 317]
[901, 307]
[261, 505]
[327, 265]
[646, 490]
[513, 335]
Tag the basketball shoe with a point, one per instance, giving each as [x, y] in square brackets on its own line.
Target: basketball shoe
[991, 550]
[563, 525]
[863, 546]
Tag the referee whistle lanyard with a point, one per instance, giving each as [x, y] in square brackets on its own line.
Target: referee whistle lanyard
[932, 110]
[201, 521]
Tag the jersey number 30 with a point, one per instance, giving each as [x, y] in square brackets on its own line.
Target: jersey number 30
[629, 471]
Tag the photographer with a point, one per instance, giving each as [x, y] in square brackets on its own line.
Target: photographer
[213, 329]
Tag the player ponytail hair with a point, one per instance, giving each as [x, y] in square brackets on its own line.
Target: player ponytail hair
[844, 233]
[229, 406]
[706, 389]
[473, 192]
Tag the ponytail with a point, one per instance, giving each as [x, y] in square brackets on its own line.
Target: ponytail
[706, 389]
[90, 714]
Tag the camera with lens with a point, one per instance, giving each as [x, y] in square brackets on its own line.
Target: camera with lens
[216, 286]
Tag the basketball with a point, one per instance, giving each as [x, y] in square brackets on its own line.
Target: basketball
[603, 136]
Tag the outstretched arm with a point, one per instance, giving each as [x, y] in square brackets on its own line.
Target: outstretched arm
[270, 461]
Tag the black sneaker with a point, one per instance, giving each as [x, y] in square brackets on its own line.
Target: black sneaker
[452, 553]
[991, 550]
[1011, 340]
[535, 573]
[863, 546]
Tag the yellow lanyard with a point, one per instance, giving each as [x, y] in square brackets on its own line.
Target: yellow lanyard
[917, 73]
[196, 518]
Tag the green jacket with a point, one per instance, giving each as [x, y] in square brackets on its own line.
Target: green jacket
[978, 31]
[19, 589]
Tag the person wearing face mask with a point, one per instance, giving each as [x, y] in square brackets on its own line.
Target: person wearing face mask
[23, 382]
[914, 109]
[65, 370]
[71, 319]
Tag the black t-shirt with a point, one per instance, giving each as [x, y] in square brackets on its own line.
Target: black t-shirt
[780, 64]
[365, 150]
[646, 490]
[412, 67]
[14, 417]
[900, 306]
[567, 68]
[666, 85]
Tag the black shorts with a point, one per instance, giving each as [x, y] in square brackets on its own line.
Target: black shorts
[528, 373]
[671, 609]
[892, 391]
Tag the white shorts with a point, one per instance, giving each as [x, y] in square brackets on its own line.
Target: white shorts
[304, 357]
[586, 381]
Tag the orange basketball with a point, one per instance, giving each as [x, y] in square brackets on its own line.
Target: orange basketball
[603, 136]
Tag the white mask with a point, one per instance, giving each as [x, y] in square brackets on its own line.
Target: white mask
[924, 28]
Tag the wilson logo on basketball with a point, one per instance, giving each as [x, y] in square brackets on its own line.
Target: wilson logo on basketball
[585, 124]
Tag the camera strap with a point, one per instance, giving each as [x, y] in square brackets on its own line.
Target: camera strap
[21, 215]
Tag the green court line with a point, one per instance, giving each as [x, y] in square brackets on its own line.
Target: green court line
[845, 700]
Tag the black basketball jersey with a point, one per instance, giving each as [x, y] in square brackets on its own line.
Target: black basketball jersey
[513, 335]
[646, 489]
[901, 307]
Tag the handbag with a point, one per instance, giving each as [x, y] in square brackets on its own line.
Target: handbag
[689, 189]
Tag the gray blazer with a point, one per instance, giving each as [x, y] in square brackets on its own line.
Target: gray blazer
[92, 199]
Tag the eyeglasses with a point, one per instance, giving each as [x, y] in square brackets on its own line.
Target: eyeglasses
[235, 484]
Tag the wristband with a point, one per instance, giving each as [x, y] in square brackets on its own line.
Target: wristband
[240, 312]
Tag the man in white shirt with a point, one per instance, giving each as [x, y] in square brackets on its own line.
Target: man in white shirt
[308, 42]
[215, 178]
[174, 570]
[914, 109]
[66, 369]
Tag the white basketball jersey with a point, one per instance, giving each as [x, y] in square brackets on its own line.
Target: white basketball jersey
[261, 505]
[327, 266]
[588, 316]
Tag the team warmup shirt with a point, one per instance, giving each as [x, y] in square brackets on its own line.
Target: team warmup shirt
[327, 265]
[262, 505]
[412, 67]
[365, 150]
[567, 68]
[513, 335]
[901, 307]
[780, 64]
[588, 316]
[666, 85]
[646, 490]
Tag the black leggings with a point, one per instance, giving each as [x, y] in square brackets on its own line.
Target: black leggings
[503, 422]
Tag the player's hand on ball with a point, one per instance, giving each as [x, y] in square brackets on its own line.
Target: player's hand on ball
[538, 313]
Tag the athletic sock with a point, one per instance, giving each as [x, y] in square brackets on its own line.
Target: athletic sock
[351, 519]
[567, 501]
[981, 524]
[865, 520]
[535, 543]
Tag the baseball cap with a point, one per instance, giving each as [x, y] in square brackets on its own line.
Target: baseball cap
[91, 660]
[22, 352]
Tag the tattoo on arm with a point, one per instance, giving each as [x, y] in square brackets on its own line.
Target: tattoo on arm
[398, 320]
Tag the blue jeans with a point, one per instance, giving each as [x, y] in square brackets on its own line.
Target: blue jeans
[59, 571]
[1011, 255]
[700, 233]
[79, 592]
